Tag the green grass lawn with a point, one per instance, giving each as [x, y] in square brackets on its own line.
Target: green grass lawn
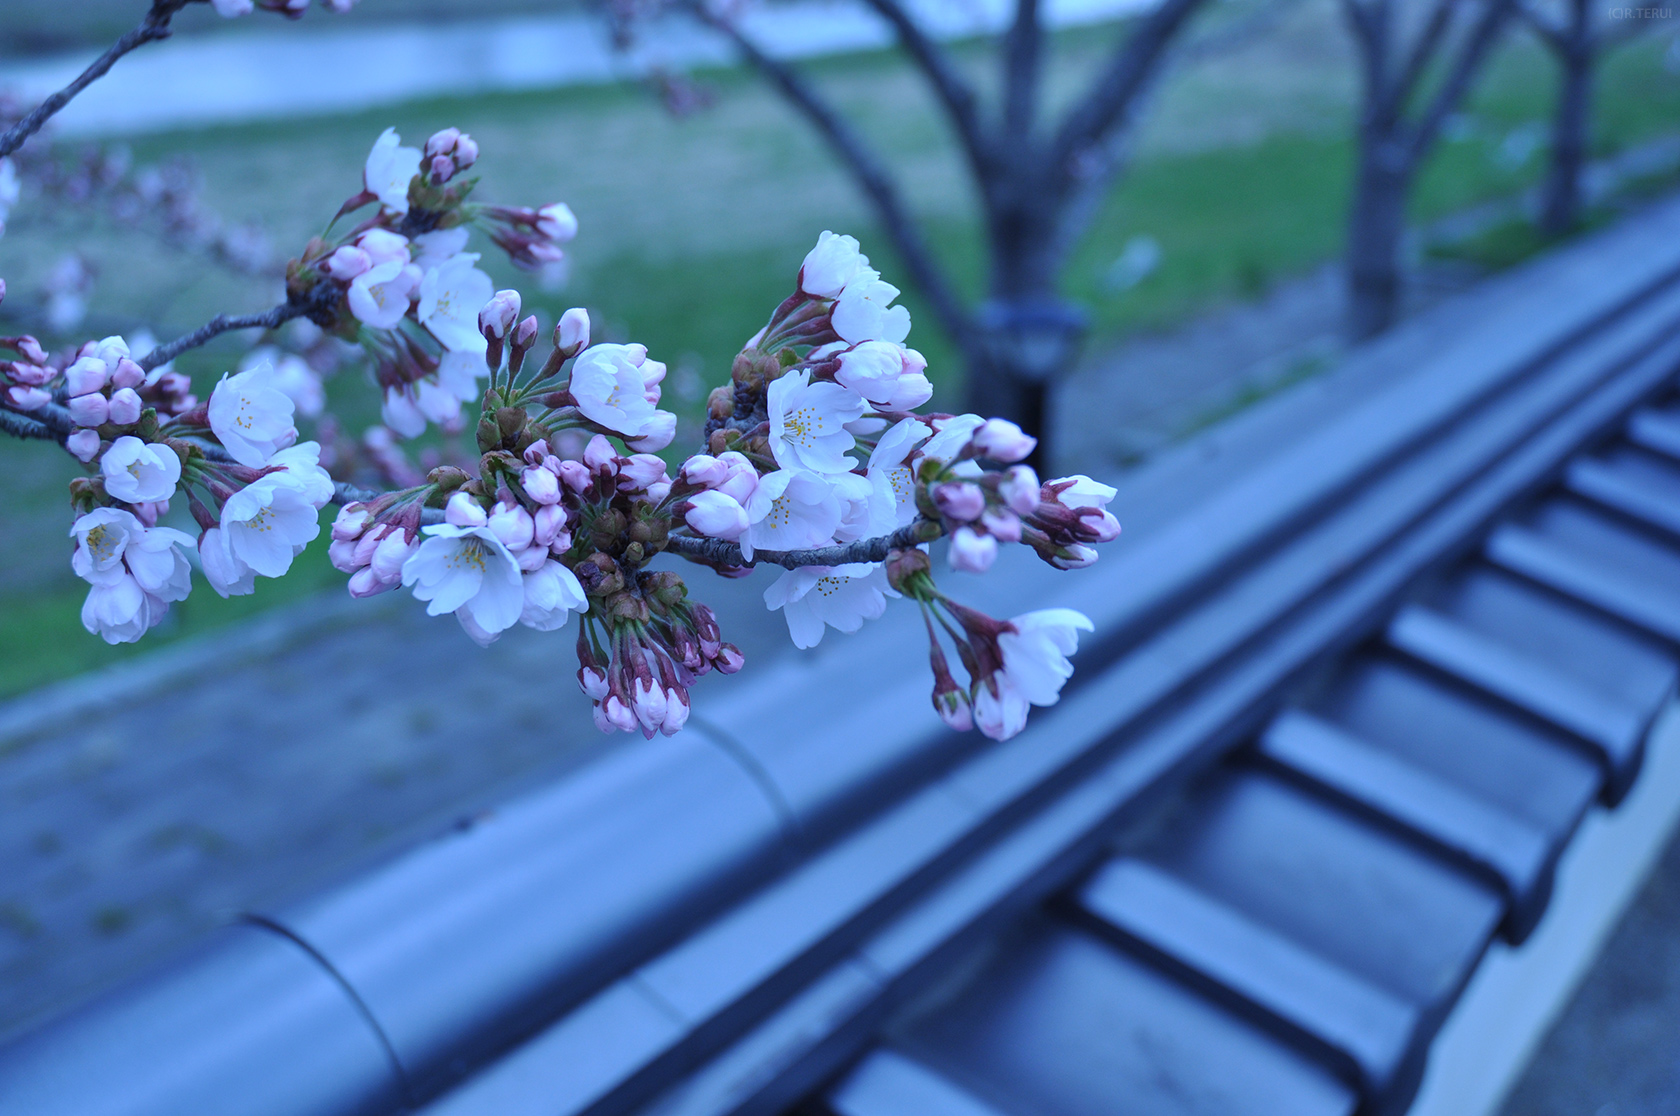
[693, 229]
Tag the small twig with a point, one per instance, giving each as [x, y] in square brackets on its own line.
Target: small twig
[154, 27]
[221, 323]
[717, 552]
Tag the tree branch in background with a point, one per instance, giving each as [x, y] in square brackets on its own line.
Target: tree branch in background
[953, 92]
[1464, 68]
[865, 168]
[220, 324]
[154, 27]
[717, 552]
[22, 426]
[1022, 53]
[1115, 92]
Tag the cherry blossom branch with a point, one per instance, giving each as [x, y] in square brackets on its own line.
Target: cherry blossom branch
[720, 553]
[22, 426]
[153, 28]
[220, 324]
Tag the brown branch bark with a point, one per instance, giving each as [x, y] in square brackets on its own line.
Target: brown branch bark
[717, 552]
[154, 27]
[220, 324]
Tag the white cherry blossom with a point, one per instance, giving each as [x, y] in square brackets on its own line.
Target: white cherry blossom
[608, 384]
[134, 572]
[552, 594]
[268, 523]
[451, 296]
[140, 472]
[467, 571]
[379, 297]
[889, 470]
[435, 248]
[789, 511]
[388, 170]
[832, 264]
[227, 575]
[864, 311]
[251, 416]
[840, 597]
[808, 423]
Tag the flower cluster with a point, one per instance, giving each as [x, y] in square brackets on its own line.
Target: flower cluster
[815, 456]
[291, 9]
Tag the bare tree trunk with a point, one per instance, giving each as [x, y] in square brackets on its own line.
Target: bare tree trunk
[1561, 210]
[1376, 232]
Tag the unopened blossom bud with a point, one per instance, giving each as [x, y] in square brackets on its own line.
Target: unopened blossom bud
[1020, 489]
[676, 711]
[352, 520]
[1001, 440]
[716, 515]
[1074, 557]
[232, 9]
[540, 484]
[571, 335]
[88, 410]
[641, 471]
[1002, 524]
[532, 558]
[127, 374]
[972, 551]
[342, 554]
[512, 524]
[537, 452]
[30, 349]
[548, 524]
[593, 682]
[704, 471]
[88, 374]
[962, 501]
[576, 476]
[649, 704]
[954, 710]
[525, 335]
[361, 551]
[729, 659]
[618, 714]
[383, 246]
[463, 511]
[84, 444]
[498, 315]
[443, 142]
[388, 557]
[600, 456]
[32, 398]
[557, 222]
[365, 583]
[125, 406]
[347, 263]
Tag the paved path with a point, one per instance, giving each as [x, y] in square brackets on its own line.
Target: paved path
[256, 71]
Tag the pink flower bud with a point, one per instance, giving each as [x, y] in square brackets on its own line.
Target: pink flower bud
[576, 476]
[547, 524]
[716, 515]
[29, 375]
[362, 549]
[972, 551]
[526, 334]
[463, 511]
[954, 711]
[442, 142]
[1103, 527]
[618, 714]
[388, 557]
[536, 452]
[128, 374]
[532, 558]
[31, 350]
[348, 262]
[557, 222]
[656, 435]
[1020, 489]
[593, 681]
[540, 484]
[513, 525]
[729, 659]
[352, 520]
[149, 512]
[84, 444]
[466, 151]
[442, 168]
[742, 481]
[704, 471]
[1075, 557]
[676, 711]
[649, 704]
[571, 336]
[88, 410]
[658, 491]
[125, 406]
[641, 470]
[1001, 440]
[88, 374]
[962, 501]
[365, 583]
[342, 554]
[1002, 524]
[562, 542]
[383, 245]
[600, 456]
[31, 398]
